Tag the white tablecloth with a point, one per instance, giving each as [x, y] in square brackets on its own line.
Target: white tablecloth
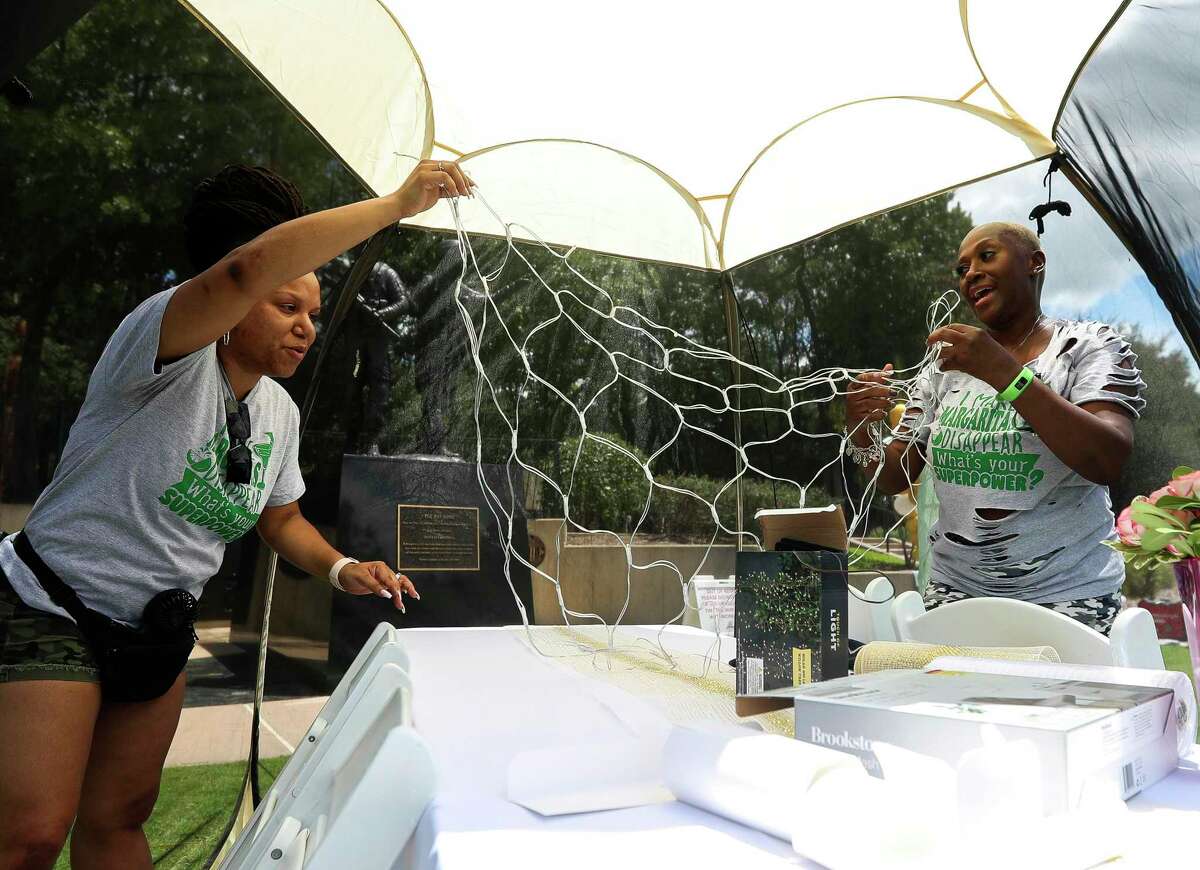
[482, 696]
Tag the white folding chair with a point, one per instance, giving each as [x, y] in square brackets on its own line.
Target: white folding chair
[382, 647]
[345, 742]
[869, 613]
[1132, 642]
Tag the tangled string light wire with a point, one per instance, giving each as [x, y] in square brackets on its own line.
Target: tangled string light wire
[670, 349]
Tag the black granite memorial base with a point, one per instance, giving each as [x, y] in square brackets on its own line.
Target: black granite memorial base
[391, 508]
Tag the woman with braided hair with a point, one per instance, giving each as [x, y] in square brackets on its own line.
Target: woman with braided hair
[184, 443]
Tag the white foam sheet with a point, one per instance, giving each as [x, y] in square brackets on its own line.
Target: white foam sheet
[859, 822]
[484, 696]
[738, 773]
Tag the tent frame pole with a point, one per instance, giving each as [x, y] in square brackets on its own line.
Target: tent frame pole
[732, 336]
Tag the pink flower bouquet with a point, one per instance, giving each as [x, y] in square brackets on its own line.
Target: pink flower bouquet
[1163, 527]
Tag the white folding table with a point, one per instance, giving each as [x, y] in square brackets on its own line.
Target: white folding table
[483, 695]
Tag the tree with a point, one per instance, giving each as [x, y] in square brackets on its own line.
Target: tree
[857, 297]
[1168, 433]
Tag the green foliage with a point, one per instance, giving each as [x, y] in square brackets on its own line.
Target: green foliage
[607, 487]
[869, 560]
[132, 107]
[690, 517]
[1142, 582]
[1168, 432]
[610, 490]
[855, 297]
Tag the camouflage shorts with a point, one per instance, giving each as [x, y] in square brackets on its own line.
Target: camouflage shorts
[1098, 612]
[35, 645]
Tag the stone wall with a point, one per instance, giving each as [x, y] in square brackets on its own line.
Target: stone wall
[593, 577]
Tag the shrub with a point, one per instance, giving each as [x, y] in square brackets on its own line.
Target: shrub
[1144, 583]
[608, 489]
[671, 513]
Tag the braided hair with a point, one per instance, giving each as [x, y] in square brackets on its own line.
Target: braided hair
[234, 206]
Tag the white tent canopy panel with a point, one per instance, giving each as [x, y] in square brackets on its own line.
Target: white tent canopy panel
[603, 128]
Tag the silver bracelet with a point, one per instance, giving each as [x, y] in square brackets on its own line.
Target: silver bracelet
[864, 456]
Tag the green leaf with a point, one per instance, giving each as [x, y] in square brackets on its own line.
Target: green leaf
[1181, 471]
[1158, 538]
[1178, 503]
[1150, 515]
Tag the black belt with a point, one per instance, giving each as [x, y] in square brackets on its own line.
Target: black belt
[60, 593]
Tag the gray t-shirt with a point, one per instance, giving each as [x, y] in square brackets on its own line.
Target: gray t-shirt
[982, 454]
[139, 501]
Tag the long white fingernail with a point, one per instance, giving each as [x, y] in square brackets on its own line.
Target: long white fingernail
[385, 593]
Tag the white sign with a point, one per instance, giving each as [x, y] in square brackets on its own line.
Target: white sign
[713, 599]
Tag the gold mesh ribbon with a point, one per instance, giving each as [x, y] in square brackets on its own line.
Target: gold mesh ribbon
[882, 655]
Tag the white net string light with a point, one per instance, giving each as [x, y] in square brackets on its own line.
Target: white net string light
[669, 352]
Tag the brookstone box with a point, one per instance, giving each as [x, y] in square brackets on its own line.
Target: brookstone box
[426, 516]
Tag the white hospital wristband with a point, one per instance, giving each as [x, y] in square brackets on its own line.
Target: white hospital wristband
[337, 569]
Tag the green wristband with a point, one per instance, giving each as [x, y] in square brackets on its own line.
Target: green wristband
[1019, 384]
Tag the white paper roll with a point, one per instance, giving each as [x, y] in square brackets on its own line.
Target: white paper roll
[1183, 709]
[758, 780]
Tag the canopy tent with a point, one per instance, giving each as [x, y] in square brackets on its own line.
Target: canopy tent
[706, 139]
[710, 139]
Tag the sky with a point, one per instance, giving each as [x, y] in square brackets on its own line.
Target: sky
[1089, 274]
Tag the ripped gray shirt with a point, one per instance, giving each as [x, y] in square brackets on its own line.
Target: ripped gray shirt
[981, 454]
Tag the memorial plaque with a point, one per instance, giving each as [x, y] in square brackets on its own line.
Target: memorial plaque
[437, 538]
[429, 516]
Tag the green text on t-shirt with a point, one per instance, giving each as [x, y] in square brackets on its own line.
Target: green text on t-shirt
[977, 443]
[205, 499]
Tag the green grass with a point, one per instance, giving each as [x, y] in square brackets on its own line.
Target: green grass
[193, 807]
[1176, 658]
[872, 560]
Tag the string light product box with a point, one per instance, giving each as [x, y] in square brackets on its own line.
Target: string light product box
[790, 606]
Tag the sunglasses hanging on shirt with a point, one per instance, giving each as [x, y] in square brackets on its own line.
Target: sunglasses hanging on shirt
[237, 423]
[237, 419]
